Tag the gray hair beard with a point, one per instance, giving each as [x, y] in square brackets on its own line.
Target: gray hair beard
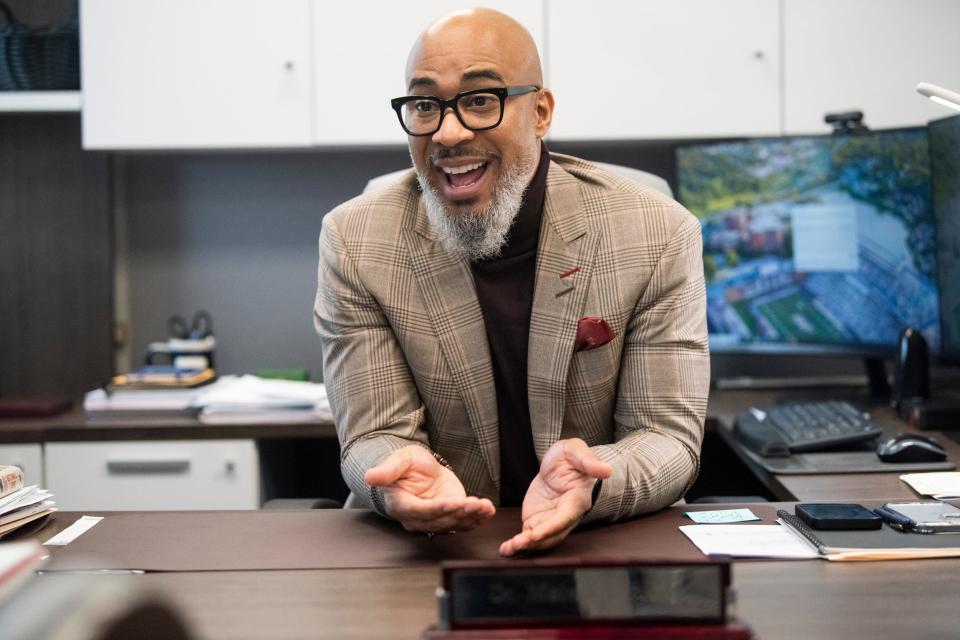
[480, 233]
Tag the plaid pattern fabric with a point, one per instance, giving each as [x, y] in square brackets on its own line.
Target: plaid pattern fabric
[406, 357]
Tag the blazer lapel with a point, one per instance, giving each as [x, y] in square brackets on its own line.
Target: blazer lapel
[451, 301]
[565, 260]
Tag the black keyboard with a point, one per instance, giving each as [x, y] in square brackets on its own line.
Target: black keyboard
[786, 429]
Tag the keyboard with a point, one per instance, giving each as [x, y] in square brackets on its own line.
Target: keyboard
[785, 429]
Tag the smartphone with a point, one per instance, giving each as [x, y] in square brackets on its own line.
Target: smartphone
[926, 516]
[838, 516]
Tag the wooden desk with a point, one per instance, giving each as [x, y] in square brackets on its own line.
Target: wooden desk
[808, 598]
[74, 426]
[725, 405]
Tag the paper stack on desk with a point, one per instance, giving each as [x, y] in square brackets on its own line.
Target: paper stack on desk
[23, 506]
[229, 400]
[249, 399]
[153, 403]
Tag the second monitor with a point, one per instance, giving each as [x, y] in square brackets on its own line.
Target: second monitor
[815, 243]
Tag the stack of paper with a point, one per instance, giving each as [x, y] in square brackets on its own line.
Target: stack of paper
[248, 399]
[229, 400]
[23, 506]
[158, 403]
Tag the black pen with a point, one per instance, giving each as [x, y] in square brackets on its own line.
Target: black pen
[894, 519]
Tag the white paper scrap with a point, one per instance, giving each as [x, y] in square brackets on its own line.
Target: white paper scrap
[74, 531]
[748, 541]
[942, 486]
[721, 515]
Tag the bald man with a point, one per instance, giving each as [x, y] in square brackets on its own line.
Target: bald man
[507, 327]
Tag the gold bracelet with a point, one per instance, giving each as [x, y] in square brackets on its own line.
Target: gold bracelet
[443, 461]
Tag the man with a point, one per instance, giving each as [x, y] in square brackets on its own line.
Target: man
[502, 326]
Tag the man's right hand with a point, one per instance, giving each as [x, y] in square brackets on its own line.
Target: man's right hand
[423, 495]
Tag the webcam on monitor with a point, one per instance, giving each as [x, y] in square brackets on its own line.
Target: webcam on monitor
[846, 122]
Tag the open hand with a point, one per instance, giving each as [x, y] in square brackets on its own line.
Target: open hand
[423, 495]
[558, 497]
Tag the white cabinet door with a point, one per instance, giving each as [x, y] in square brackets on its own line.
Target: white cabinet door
[624, 69]
[361, 50]
[28, 457]
[841, 55]
[195, 73]
[175, 474]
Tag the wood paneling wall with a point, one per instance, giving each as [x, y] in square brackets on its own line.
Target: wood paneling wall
[56, 282]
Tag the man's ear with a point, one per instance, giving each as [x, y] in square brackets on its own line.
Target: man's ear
[544, 112]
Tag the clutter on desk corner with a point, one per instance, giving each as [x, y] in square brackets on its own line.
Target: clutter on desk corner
[893, 541]
[921, 516]
[23, 505]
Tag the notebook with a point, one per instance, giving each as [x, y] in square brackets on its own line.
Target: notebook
[880, 544]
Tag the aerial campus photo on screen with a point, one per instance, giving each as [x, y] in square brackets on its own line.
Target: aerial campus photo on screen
[815, 240]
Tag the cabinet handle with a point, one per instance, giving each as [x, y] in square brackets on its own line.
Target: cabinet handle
[120, 467]
[759, 55]
[288, 65]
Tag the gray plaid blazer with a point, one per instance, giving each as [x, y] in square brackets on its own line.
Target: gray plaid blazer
[406, 358]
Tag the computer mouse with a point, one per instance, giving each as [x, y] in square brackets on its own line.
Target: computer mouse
[910, 447]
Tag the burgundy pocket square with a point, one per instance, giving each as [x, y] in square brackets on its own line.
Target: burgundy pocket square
[592, 332]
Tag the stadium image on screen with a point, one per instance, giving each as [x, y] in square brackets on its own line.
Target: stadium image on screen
[815, 243]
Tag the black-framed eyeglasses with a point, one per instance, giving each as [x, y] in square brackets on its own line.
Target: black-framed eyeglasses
[477, 110]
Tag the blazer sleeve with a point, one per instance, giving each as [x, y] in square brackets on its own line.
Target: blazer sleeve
[663, 386]
[375, 403]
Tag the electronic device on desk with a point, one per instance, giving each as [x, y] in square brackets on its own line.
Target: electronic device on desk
[821, 245]
[942, 409]
[799, 427]
[911, 447]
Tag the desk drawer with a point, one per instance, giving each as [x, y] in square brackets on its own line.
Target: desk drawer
[28, 457]
[172, 474]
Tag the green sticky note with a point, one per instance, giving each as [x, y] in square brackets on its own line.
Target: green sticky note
[721, 516]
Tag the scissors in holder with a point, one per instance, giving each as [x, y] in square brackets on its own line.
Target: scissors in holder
[200, 327]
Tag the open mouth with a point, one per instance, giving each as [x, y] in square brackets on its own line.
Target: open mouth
[460, 177]
[465, 181]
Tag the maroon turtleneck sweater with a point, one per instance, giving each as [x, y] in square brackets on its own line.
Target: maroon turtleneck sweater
[505, 289]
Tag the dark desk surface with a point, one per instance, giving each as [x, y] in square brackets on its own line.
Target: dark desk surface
[806, 598]
[74, 426]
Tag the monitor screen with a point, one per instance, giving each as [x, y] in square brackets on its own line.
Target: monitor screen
[815, 243]
[945, 178]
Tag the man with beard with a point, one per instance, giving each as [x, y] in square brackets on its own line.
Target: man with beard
[504, 326]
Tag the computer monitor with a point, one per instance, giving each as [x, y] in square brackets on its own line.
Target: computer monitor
[945, 180]
[815, 244]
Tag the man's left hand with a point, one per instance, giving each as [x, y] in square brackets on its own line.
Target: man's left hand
[558, 497]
